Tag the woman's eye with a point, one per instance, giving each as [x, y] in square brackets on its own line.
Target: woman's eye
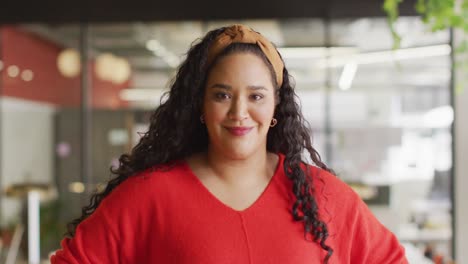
[222, 96]
[256, 97]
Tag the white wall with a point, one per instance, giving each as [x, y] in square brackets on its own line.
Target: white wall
[27, 150]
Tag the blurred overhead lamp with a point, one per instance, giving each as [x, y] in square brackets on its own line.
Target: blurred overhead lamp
[27, 75]
[347, 76]
[104, 66]
[112, 68]
[76, 187]
[13, 71]
[439, 117]
[122, 71]
[153, 45]
[69, 63]
[159, 50]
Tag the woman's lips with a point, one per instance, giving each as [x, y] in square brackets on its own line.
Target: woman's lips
[239, 131]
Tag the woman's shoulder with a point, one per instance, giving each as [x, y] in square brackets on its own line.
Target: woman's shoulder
[328, 186]
[336, 200]
[322, 181]
[148, 183]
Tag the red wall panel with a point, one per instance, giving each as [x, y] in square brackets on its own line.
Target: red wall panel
[29, 51]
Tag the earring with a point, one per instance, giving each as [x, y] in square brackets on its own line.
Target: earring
[202, 119]
[273, 122]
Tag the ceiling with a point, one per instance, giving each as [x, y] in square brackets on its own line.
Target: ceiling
[91, 11]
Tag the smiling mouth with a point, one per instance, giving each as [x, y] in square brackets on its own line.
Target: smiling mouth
[239, 131]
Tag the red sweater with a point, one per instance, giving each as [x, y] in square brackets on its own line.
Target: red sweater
[170, 217]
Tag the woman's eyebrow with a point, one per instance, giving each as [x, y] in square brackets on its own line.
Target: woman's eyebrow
[222, 86]
[228, 87]
[257, 87]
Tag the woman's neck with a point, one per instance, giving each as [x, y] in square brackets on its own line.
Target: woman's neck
[247, 171]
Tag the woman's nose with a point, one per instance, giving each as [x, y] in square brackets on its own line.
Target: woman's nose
[238, 110]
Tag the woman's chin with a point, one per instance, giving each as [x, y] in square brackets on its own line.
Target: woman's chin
[238, 153]
[237, 150]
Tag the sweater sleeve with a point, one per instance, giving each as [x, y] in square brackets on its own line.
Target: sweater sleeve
[371, 241]
[94, 241]
[356, 235]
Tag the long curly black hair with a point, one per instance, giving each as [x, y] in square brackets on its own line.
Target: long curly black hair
[175, 133]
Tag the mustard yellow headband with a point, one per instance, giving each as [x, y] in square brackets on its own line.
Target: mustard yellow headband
[243, 34]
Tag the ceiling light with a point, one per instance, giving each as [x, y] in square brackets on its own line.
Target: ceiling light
[13, 71]
[104, 66]
[153, 45]
[172, 60]
[69, 63]
[27, 75]
[76, 187]
[122, 71]
[439, 117]
[159, 50]
[347, 76]
[112, 68]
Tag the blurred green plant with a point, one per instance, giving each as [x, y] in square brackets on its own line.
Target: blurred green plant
[437, 15]
[51, 228]
[391, 8]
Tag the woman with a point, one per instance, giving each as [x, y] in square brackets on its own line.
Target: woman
[220, 178]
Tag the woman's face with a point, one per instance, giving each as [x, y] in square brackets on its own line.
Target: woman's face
[238, 106]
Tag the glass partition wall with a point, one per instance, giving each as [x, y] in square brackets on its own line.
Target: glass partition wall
[75, 97]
